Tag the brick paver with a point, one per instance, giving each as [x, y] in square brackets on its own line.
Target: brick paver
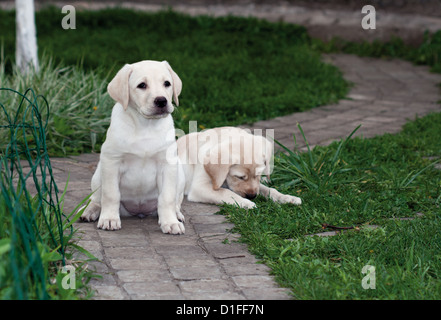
[140, 262]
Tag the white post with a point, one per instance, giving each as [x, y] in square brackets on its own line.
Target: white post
[26, 51]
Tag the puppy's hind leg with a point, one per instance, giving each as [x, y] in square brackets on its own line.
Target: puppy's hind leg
[91, 213]
[179, 213]
[93, 209]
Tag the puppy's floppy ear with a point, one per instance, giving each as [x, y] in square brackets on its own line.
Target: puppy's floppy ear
[218, 173]
[177, 83]
[218, 162]
[118, 88]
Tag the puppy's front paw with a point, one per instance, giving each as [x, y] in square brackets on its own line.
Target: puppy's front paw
[172, 227]
[246, 204]
[113, 223]
[91, 213]
[286, 198]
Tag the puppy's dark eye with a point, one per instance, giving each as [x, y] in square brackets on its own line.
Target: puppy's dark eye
[142, 85]
[167, 84]
[240, 177]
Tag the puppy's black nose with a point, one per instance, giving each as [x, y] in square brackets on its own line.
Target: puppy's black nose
[160, 102]
[251, 196]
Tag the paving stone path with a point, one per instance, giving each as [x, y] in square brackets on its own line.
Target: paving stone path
[139, 262]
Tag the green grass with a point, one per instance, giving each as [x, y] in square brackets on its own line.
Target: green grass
[376, 181]
[234, 70]
[78, 104]
[35, 272]
[36, 235]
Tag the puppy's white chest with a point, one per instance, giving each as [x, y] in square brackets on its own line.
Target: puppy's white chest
[138, 175]
[142, 149]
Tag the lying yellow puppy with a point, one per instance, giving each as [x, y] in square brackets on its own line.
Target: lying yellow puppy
[225, 165]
